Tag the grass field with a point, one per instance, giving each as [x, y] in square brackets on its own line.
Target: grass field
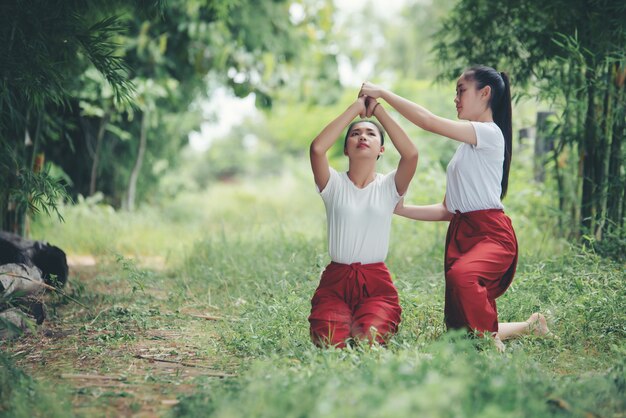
[198, 307]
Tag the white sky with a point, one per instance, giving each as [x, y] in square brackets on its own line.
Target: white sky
[231, 110]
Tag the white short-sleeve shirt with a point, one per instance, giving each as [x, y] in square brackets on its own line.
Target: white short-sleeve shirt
[474, 174]
[359, 220]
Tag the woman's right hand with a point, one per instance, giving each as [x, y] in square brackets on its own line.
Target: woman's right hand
[371, 90]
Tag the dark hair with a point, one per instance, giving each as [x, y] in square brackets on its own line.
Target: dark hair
[373, 122]
[500, 104]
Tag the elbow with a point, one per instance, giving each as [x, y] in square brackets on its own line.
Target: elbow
[315, 149]
[411, 157]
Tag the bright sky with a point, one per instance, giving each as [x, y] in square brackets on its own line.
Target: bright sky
[232, 110]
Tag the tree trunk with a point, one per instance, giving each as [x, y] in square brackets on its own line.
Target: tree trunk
[5, 203]
[617, 182]
[96, 158]
[602, 162]
[588, 159]
[134, 175]
[560, 186]
[543, 143]
[621, 223]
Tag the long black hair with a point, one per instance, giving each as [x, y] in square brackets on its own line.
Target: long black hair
[500, 104]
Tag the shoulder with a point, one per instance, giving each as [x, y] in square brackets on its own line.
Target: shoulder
[488, 135]
[388, 182]
[333, 180]
[486, 128]
[390, 176]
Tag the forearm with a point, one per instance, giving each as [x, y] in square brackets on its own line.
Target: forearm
[462, 131]
[398, 137]
[437, 212]
[404, 145]
[325, 139]
[415, 113]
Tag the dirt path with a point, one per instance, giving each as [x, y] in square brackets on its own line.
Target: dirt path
[129, 354]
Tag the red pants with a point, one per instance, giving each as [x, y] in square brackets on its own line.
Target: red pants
[481, 256]
[356, 300]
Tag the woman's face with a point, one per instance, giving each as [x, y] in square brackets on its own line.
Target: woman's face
[470, 101]
[364, 141]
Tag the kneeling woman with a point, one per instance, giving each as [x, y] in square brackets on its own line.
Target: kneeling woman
[356, 298]
[481, 247]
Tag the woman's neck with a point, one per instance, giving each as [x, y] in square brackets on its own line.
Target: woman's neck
[362, 174]
[486, 116]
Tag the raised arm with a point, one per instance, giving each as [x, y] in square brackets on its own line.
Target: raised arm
[325, 139]
[404, 145]
[461, 131]
[437, 212]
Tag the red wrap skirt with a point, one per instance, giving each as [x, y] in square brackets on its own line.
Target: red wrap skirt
[354, 301]
[480, 262]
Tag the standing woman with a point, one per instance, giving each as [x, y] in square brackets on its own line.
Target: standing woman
[356, 298]
[481, 247]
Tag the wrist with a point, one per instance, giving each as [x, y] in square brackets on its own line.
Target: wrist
[356, 107]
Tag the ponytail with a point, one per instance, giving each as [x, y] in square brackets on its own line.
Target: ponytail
[500, 104]
[502, 116]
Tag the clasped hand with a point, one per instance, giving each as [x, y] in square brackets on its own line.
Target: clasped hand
[367, 96]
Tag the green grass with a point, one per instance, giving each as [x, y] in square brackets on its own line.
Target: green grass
[423, 372]
[252, 253]
[446, 378]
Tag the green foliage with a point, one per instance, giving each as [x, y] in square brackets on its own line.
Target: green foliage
[573, 53]
[180, 54]
[45, 192]
[24, 189]
[408, 39]
[99, 46]
[45, 46]
[291, 128]
[612, 245]
[136, 276]
[97, 228]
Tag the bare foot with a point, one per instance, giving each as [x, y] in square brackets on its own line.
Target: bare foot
[537, 324]
[499, 344]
